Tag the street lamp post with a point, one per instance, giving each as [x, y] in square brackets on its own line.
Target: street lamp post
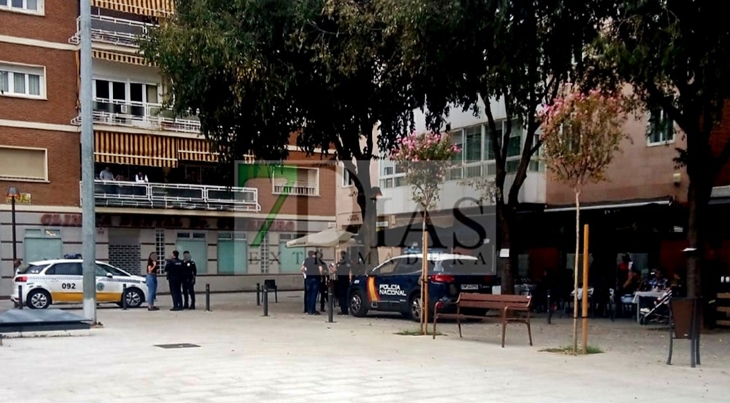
[13, 195]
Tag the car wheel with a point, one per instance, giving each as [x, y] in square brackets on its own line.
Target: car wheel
[134, 297]
[414, 307]
[357, 304]
[38, 299]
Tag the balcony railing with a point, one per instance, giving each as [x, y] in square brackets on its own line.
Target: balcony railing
[139, 115]
[113, 31]
[296, 189]
[175, 196]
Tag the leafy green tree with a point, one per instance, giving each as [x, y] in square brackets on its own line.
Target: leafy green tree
[257, 71]
[518, 52]
[676, 54]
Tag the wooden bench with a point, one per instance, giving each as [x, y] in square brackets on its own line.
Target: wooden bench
[505, 304]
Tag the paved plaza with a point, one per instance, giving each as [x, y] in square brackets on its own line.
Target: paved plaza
[290, 357]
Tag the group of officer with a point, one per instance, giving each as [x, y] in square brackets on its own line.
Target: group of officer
[317, 277]
[181, 276]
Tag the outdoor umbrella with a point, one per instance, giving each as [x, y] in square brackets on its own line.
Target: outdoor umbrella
[329, 238]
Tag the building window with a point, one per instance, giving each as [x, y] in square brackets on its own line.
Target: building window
[296, 181]
[661, 128]
[23, 164]
[473, 149]
[160, 249]
[346, 179]
[22, 81]
[30, 6]
[126, 98]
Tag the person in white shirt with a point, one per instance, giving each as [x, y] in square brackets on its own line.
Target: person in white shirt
[140, 178]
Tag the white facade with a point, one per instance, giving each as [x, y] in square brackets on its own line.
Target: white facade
[475, 163]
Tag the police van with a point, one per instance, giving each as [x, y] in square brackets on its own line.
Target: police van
[393, 286]
[61, 281]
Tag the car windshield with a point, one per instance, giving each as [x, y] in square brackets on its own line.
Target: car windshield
[32, 269]
[113, 270]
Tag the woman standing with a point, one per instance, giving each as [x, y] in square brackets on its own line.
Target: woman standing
[152, 265]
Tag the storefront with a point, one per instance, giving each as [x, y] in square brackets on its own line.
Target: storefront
[221, 246]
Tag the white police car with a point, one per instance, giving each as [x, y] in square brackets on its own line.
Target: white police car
[61, 281]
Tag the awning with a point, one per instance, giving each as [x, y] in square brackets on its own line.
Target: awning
[195, 150]
[328, 238]
[135, 149]
[118, 57]
[156, 8]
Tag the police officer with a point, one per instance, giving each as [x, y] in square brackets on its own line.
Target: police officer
[314, 271]
[344, 272]
[175, 272]
[190, 272]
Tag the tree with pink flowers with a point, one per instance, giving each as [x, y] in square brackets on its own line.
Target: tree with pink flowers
[425, 159]
[581, 132]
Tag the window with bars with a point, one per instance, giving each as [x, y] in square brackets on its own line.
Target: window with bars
[22, 81]
[265, 257]
[296, 181]
[160, 249]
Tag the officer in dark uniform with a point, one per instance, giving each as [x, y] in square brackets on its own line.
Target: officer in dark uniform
[344, 272]
[175, 272]
[190, 272]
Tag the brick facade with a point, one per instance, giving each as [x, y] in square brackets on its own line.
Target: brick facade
[720, 137]
[63, 165]
[59, 107]
[57, 24]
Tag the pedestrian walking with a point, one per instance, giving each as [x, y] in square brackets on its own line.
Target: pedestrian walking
[151, 280]
[190, 272]
[175, 271]
[314, 271]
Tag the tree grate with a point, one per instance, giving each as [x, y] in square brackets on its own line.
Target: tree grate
[177, 345]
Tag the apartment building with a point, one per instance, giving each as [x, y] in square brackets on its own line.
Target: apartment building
[641, 209]
[39, 148]
[236, 232]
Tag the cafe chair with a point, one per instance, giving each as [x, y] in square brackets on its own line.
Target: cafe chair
[270, 285]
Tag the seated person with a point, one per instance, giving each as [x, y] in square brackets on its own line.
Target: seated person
[659, 282]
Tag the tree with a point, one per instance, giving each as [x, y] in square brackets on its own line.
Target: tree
[580, 135]
[425, 159]
[258, 71]
[676, 54]
[517, 52]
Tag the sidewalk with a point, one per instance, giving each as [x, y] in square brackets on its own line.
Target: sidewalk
[290, 357]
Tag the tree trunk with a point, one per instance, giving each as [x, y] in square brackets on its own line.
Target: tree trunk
[368, 209]
[698, 198]
[424, 278]
[575, 272]
[509, 265]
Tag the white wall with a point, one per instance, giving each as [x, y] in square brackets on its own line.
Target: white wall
[459, 118]
[107, 70]
[398, 200]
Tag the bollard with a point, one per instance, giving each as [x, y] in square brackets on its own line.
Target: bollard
[124, 297]
[549, 309]
[20, 297]
[266, 301]
[330, 301]
[258, 294]
[207, 297]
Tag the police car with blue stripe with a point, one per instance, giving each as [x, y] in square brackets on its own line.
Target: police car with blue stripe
[393, 286]
[61, 281]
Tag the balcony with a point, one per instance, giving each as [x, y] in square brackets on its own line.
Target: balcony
[175, 196]
[112, 31]
[139, 115]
